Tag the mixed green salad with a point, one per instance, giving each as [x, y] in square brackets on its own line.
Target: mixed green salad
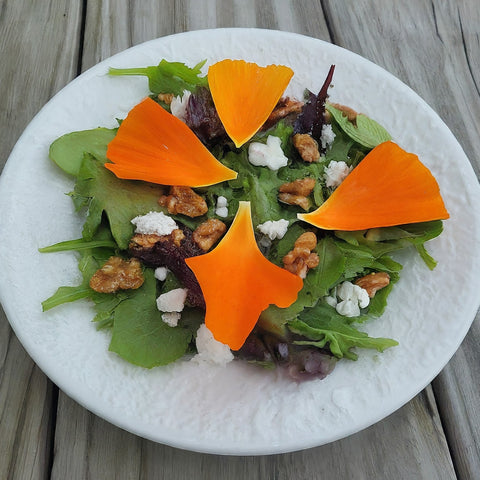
[305, 339]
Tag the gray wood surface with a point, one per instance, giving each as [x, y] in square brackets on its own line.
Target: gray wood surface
[431, 46]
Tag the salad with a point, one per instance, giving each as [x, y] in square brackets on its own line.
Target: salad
[224, 220]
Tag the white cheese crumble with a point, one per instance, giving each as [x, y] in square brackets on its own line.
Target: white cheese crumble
[335, 173]
[178, 106]
[274, 228]
[352, 299]
[161, 273]
[327, 137]
[172, 301]
[210, 350]
[267, 155]
[154, 222]
[221, 208]
[171, 318]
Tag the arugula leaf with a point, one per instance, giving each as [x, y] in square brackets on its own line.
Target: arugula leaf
[68, 150]
[379, 241]
[77, 245]
[139, 334]
[322, 278]
[168, 77]
[324, 327]
[366, 132]
[121, 200]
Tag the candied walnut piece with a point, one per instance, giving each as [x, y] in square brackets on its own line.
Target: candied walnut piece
[373, 282]
[185, 201]
[301, 258]
[307, 147]
[296, 192]
[207, 233]
[117, 274]
[302, 186]
[166, 97]
[284, 108]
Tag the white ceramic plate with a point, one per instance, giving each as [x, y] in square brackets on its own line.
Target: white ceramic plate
[239, 409]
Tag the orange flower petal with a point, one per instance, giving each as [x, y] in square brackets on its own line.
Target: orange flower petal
[238, 282]
[388, 187]
[245, 94]
[155, 146]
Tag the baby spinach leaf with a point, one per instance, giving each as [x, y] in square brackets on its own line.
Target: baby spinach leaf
[139, 334]
[68, 151]
[366, 132]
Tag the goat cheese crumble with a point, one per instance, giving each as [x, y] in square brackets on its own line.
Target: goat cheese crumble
[352, 298]
[178, 106]
[171, 318]
[268, 154]
[328, 136]
[274, 228]
[210, 350]
[222, 207]
[172, 301]
[161, 273]
[154, 223]
[335, 173]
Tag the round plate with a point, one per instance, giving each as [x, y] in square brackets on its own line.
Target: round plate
[240, 409]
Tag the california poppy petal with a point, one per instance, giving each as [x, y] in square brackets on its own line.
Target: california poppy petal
[238, 282]
[388, 187]
[155, 146]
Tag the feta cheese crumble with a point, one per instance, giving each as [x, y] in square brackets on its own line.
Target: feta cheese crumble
[327, 137]
[161, 273]
[210, 350]
[267, 155]
[178, 106]
[171, 318]
[335, 173]
[352, 299]
[222, 207]
[154, 222]
[274, 228]
[172, 301]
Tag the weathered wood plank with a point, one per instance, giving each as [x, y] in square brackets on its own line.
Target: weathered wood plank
[36, 62]
[408, 444]
[433, 47]
[25, 412]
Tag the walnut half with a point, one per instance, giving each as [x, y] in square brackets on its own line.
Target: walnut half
[301, 258]
[117, 274]
[373, 282]
[297, 192]
[185, 201]
[207, 233]
[307, 147]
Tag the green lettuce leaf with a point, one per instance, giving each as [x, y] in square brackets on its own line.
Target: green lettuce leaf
[168, 77]
[68, 150]
[366, 132]
[139, 334]
[121, 200]
[323, 327]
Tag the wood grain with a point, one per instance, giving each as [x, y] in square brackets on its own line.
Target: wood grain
[435, 51]
[426, 455]
[36, 62]
[88, 447]
[431, 46]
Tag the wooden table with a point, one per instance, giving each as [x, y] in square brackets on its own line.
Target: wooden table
[433, 46]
